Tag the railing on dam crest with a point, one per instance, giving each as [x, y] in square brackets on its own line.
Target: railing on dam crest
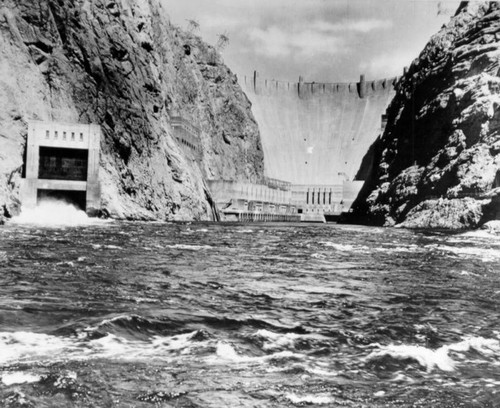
[304, 89]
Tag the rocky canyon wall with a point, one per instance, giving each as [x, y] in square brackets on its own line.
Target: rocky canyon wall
[438, 162]
[123, 65]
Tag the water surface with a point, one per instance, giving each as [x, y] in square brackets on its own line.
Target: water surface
[257, 315]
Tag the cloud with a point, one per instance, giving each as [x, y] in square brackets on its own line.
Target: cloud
[280, 42]
[361, 26]
[310, 38]
[365, 26]
[269, 4]
[385, 65]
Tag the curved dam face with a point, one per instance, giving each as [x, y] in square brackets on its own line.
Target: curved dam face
[315, 133]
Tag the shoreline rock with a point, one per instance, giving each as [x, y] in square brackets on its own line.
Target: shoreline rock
[438, 161]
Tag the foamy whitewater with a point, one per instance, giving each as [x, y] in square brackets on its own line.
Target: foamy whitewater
[121, 314]
[54, 213]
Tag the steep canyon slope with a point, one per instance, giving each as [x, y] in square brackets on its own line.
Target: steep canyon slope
[123, 65]
[438, 161]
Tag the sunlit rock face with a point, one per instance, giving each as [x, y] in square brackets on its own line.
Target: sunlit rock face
[438, 161]
[123, 65]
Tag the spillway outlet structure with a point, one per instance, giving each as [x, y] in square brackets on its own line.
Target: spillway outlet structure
[62, 162]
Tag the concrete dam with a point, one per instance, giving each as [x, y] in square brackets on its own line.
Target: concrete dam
[315, 136]
[317, 133]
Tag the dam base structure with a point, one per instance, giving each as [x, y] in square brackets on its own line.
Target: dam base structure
[62, 162]
[316, 136]
[269, 200]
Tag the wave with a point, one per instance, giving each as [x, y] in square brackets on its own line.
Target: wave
[133, 325]
[365, 249]
[439, 358]
[486, 254]
[343, 247]
[225, 352]
[318, 256]
[480, 234]
[274, 340]
[24, 347]
[317, 399]
[19, 377]
[189, 247]
[56, 213]
[233, 323]
[308, 368]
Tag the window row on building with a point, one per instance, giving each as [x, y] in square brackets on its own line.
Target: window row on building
[187, 143]
[262, 207]
[321, 210]
[72, 136]
[316, 198]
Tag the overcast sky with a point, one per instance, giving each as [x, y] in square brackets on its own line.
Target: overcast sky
[323, 40]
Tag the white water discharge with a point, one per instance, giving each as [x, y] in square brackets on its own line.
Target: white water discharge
[38, 347]
[54, 213]
[19, 377]
[438, 358]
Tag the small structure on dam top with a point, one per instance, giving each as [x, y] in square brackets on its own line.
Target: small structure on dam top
[62, 162]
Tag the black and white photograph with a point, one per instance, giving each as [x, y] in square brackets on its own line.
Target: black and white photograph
[249, 204]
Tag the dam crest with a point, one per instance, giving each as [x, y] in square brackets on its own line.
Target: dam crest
[304, 89]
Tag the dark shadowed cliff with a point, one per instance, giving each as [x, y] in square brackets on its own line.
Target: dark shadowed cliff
[438, 161]
[121, 64]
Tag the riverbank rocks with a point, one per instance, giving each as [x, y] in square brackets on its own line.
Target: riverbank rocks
[438, 161]
[123, 65]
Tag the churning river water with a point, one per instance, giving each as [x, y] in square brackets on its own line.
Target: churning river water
[119, 314]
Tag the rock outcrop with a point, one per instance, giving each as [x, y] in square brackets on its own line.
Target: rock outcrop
[123, 65]
[438, 161]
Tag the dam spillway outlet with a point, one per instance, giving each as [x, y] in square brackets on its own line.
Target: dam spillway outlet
[77, 199]
[62, 163]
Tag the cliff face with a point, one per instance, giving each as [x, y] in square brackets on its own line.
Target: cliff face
[121, 64]
[438, 160]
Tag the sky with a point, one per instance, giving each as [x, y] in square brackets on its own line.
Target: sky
[322, 40]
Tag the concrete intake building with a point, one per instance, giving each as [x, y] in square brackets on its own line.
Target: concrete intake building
[62, 162]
